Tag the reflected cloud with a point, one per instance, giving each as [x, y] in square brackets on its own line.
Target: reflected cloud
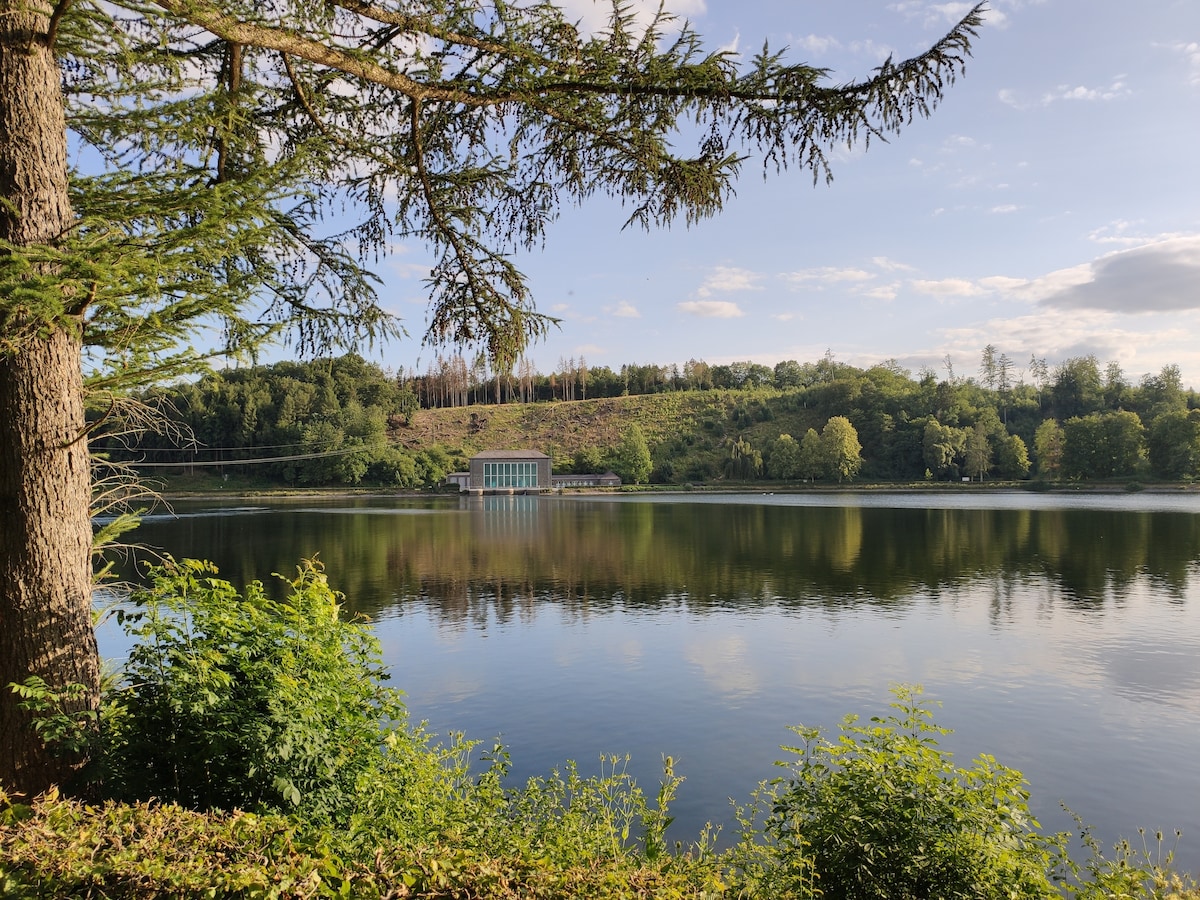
[725, 665]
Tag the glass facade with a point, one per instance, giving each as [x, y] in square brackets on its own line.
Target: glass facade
[510, 474]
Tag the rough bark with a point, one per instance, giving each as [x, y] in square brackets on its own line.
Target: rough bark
[45, 528]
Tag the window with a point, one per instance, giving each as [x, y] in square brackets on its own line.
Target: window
[510, 474]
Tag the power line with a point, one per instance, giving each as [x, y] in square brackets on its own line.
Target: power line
[345, 451]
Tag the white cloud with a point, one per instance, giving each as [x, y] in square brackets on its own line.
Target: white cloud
[1005, 208]
[1191, 53]
[711, 309]
[724, 279]
[948, 288]
[626, 310]
[408, 271]
[1121, 233]
[826, 275]
[940, 14]
[1066, 92]
[1118, 88]
[890, 265]
[872, 50]
[995, 18]
[594, 15]
[1008, 97]
[817, 46]
[1003, 284]
[883, 292]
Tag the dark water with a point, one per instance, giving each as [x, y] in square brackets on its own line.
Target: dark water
[1061, 634]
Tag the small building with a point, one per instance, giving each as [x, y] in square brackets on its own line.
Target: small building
[520, 472]
[609, 479]
[505, 471]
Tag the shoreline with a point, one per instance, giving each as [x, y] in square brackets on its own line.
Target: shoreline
[745, 488]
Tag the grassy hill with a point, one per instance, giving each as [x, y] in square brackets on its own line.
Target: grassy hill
[687, 431]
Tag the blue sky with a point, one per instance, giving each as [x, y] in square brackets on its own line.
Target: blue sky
[1050, 207]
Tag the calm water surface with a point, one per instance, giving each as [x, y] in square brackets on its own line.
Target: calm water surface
[1060, 633]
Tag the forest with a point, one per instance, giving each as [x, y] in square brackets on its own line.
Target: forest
[346, 421]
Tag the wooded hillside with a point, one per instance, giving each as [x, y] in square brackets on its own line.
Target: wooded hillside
[343, 422]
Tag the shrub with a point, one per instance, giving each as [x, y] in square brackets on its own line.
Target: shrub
[883, 813]
[235, 700]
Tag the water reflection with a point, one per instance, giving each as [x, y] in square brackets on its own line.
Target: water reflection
[1062, 636]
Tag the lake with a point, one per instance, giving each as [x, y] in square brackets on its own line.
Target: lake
[1060, 632]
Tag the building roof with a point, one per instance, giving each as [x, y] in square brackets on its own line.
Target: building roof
[510, 454]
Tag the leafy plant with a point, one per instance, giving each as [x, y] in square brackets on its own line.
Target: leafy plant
[61, 718]
[884, 813]
[236, 700]
[1127, 872]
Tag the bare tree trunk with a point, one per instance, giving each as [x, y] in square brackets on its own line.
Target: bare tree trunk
[45, 528]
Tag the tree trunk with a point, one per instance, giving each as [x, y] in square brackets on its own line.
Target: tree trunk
[45, 528]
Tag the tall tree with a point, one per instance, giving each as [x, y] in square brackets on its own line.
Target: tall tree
[218, 135]
[988, 368]
[812, 456]
[631, 457]
[841, 448]
[1048, 445]
[977, 451]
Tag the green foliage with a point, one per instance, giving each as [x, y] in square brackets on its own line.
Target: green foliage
[812, 456]
[885, 814]
[319, 423]
[1048, 445]
[943, 446]
[744, 463]
[784, 460]
[61, 718]
[239, 701]
[349, 415]
[878, 812]
[1173, 444]
[1012, 457]
[631, 458]
[1128, 872]
[978, 452]
[587, 460]
[841, 449]
[1102, 445]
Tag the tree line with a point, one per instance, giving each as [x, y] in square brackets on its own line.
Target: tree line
[450, 380]
[335, 421]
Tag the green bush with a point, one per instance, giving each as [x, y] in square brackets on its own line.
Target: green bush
[884, 814]
[235, 700]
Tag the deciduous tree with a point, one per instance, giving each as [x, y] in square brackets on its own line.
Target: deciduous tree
[631, 459]
[784, 461]
[1173, 444]
[1048, 444]
[841, 448]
